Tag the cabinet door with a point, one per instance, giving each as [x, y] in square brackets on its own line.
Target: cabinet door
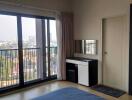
[83, 76]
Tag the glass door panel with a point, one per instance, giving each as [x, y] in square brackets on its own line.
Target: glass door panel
[47, 47]
[9, 63]
[53, 47]
[31, 49]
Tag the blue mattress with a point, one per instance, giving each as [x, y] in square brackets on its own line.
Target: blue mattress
[69, 93]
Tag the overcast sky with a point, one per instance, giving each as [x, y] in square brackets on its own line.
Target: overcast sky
[8, 28]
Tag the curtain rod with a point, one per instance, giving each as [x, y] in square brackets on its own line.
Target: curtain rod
[27, 6]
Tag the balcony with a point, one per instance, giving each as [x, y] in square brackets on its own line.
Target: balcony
[9, 65]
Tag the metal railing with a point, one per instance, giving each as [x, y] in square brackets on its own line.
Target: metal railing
[53, 60]
[31, 64]
[9, 65]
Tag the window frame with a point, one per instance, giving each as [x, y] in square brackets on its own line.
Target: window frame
[21, 74]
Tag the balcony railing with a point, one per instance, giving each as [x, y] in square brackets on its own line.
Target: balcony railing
[31, 64]
[53, 60]
[9, 65]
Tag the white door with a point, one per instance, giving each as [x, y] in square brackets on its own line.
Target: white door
[114, 30]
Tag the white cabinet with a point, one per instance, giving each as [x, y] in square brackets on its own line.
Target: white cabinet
[87, 71]
[83, 75]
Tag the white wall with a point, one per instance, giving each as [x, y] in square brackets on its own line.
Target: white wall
[88, 15]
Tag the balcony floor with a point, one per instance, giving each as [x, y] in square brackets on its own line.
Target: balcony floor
[38, 90]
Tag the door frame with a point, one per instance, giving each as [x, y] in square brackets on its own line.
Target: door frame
[103, 33]
[103, 21]
[130, 52]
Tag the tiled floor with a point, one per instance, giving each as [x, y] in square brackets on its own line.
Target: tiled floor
[27, 94]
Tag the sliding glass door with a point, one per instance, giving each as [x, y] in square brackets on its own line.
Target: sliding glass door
[51, 47]
[31, 50]
[28, 49]
[9, 61]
